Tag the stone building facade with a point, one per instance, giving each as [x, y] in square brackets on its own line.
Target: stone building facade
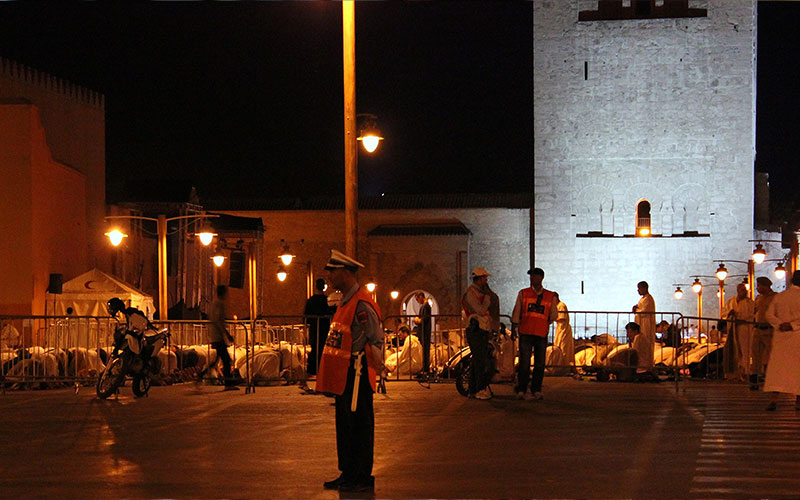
[407, 243]
[644, 118]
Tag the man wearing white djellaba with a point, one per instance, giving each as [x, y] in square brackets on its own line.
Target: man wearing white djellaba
[783, 369]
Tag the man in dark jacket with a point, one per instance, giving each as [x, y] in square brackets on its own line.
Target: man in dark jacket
[317, 313]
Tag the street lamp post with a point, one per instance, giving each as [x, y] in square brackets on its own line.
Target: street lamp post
[350, 128]
[350, 145]
[161, 226]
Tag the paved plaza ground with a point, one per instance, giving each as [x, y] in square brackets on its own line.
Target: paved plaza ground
[585, 440]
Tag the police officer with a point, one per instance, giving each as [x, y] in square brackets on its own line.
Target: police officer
[352, 356]
[534, 311]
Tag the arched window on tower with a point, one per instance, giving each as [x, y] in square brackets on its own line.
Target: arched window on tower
[643, 218]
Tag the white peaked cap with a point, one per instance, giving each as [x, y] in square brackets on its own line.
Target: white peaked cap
[338, 260]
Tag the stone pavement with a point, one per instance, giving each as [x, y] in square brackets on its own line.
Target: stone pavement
[585, 440]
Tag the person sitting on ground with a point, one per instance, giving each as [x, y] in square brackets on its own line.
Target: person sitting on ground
[408, 359]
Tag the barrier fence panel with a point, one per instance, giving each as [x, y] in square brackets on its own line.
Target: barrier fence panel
[448, 344]
[57, 350]
[52, 349]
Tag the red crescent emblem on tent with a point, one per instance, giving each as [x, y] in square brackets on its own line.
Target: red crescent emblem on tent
[86, 285]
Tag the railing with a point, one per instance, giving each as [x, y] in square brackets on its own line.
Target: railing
[62, 350]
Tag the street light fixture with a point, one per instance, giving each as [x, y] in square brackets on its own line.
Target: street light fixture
[371, 286]
[116, 236]
[780, 272]
[697, 287]
[161, 225]
[759, 254]
[722, 272]
[394, 294]
[282, 273]
[369, 135]
[678, 293]
[218, 259]
[350, 138]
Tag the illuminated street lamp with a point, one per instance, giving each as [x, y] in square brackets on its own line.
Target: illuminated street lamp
[218, 259]
[350, 138]
[282, 273]
[115, 236]
[371, 286]
[678, 293]
[369, 135]
[394, 294]
[780, 272]
[759, 254]
[697, 287]
[722, 272]
[161, 225]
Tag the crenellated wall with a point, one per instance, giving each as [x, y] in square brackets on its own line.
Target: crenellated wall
[74, 120]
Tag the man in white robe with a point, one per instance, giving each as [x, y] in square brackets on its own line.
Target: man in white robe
[645, 311]
[740, 312]
[563, 337]
[408, 359]
[783, 369]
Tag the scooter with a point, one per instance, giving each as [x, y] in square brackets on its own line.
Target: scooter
[460, 364]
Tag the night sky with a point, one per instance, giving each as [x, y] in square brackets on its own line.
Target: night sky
[245, 99]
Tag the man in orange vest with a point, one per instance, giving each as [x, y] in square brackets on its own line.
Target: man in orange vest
[352, 356]
[534, 311]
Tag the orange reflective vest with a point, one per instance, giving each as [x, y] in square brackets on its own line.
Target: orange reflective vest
[335, 361]
[535, 314]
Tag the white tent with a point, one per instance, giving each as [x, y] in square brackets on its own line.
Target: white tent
[88, 293]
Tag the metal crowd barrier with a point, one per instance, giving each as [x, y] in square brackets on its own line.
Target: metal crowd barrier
[71, 349]
[447, 340]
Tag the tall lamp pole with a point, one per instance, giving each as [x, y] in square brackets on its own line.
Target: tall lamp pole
[350, 145]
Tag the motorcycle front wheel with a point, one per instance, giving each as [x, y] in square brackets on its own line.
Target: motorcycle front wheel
[111, 378]
[140, 386]
[462, 377]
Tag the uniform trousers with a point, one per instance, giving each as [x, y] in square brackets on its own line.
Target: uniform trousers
[538, 345]
[355, 431]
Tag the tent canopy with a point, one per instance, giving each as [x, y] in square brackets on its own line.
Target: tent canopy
[88, 293]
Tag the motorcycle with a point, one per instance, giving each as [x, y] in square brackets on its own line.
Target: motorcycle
[135, 354]
[460, 364]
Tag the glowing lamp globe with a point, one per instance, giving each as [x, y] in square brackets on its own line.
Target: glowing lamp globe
[286, 258]
[394, 294]
[218, 260]
[722, 272]
[370, 142]
[759, 254]
[371, 287]
[205, 238]
[282, 275]
[697, 287]
[780, 272]
[115, 236]
[678, 293]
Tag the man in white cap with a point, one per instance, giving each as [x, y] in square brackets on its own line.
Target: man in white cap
[534, 311]
[352, 356]
[476, 302]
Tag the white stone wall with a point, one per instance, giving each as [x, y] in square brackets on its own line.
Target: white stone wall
[665, 113]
